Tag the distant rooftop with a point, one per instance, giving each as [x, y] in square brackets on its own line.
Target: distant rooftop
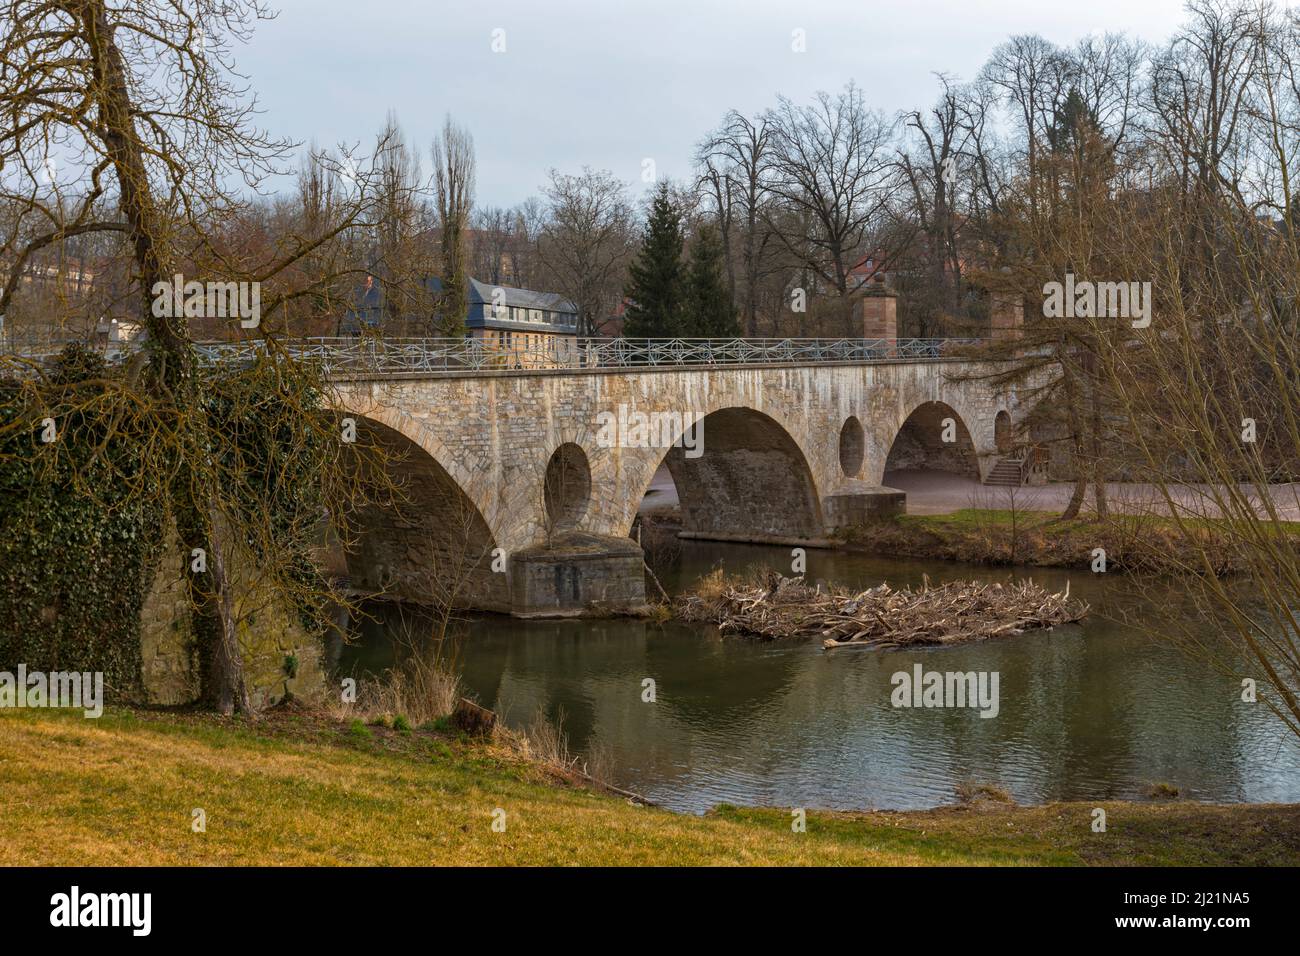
[481, 293]
[489, 306]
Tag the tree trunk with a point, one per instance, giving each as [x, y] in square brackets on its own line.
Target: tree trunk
[751, 274]
[1099, 494]
[1076, 436]
[171, 364]
[1076, 497]
[221, 669]
[1098, 463]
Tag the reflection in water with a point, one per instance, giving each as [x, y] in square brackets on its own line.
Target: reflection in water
[1088, 712]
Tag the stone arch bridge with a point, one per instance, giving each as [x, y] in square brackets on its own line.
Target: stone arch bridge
[522, 483]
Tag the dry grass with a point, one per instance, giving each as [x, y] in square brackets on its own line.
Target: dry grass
[423, 687]
[975, 793]
[712, 587]
[296, 790]
[421, 693]
[544, 742]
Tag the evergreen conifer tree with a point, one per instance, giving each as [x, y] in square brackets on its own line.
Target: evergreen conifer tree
[708, 312]
[657, 280]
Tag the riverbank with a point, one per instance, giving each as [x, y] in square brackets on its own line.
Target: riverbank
[1040, 539]
[1003, 537]
[300, 789]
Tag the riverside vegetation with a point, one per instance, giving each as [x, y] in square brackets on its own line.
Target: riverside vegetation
[1132, 543]
[298, 788]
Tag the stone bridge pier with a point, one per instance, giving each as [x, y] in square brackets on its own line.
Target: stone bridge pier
[519, 488]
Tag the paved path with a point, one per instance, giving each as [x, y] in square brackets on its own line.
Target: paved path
[936, 493]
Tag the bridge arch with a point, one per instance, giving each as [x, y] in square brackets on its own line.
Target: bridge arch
[420, 537]
[739, 475]
[934, 436]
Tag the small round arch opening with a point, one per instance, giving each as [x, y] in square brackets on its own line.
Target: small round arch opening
[567, 487]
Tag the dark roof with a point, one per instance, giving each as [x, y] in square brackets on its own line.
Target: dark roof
[367, 309]
[480, 293]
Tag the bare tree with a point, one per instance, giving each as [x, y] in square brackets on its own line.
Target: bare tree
[1209, 394]
[586, 242]
[525, 263]
[935, 170]
[492, 245]
[334, 269]
[1032, 76]
[1201, 84]
[141, 101]
[1109, 75]
[733, 166]
[398, 230]
[832, 177]
[453, 161]
[987, 161]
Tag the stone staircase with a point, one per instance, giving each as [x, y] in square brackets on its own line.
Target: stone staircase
[1007, 472]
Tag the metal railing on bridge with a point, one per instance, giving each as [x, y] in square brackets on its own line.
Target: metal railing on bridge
[372, 355]
[432, 356]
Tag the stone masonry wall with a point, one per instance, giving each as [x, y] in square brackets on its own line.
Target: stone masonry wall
[267, 634]
[493, 433]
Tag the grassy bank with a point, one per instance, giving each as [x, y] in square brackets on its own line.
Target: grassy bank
[992, 536]
[1001, 537]
[297, 789]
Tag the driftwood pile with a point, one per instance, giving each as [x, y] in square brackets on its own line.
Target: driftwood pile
[769, 605]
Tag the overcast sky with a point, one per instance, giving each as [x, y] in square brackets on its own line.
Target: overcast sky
[608, 84]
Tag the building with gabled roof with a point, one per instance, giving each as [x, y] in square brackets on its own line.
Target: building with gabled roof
[503, 308]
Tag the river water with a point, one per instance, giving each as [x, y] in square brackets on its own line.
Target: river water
[1093, 711]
